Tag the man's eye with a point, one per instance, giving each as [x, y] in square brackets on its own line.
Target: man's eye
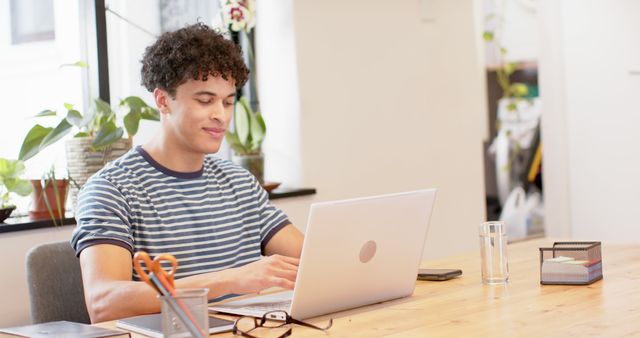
[228, 103]
[204, 101]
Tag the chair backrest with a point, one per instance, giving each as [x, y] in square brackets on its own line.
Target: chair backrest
[55, 284]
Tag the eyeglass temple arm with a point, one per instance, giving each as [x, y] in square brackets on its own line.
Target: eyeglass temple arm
[299, 322]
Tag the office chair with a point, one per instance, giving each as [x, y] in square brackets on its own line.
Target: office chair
[55, 284]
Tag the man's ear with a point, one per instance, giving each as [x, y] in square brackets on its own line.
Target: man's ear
[162, 100]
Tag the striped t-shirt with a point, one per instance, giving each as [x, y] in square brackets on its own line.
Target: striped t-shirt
[216, 218]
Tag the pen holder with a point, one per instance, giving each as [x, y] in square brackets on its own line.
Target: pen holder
[193, 300]
[571, 263]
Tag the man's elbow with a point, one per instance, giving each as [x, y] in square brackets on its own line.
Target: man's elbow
[98, 310]
[99, 307]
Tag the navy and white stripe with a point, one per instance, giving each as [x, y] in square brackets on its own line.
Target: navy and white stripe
[216, 218]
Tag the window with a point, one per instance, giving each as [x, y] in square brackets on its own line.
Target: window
[34, 42]
[134, 25]
[32, 20]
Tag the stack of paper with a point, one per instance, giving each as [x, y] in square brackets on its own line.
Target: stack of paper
[569, 270]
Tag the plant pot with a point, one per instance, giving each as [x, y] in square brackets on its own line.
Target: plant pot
[253, 163]
[6, 212]
[83, 162]
[39, 208]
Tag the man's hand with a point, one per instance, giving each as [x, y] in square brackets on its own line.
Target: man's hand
[271, 271]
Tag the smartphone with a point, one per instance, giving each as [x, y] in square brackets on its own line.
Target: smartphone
[438, 274]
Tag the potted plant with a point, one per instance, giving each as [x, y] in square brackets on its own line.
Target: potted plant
[97, 138]
[246, 138]
[11, 183]
[517, 119]
[49, 197]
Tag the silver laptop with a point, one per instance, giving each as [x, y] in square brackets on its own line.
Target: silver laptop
[356, 252]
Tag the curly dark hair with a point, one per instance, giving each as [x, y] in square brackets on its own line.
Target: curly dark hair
[193, 52]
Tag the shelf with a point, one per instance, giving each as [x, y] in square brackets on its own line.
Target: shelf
[22, 223]
[290, 192]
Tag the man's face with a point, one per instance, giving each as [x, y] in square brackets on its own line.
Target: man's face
[199, 115]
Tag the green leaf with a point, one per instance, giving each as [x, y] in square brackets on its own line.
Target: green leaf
[11, 168]
[7, 169]
[75, 118]
[31, 144]
[104, 119]
[509, 68]
[46, 112]
[487, 36]
[80, 64]
[234, 143]
[241, 121]
[81, 134]
[10, 171]
[132, 122]
[68, 106]
[103, 107]
[137, 104]
[104, 115]
[88, 118]
[138, 109]
[149, 113]
[108, 134]
[134, 103]
[258, 130]
[519, 89]
[62, 129]
[263, 125]
[23, 188]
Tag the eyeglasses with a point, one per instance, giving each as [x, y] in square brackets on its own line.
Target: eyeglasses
[265, 322]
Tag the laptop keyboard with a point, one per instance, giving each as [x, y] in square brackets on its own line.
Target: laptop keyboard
[283, 305]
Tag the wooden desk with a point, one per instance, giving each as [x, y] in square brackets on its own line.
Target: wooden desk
[465, 308]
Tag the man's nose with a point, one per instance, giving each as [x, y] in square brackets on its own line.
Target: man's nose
[217, 110]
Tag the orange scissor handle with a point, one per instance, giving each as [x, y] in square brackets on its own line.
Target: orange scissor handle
[160, 270]
[142, 256]
[154, 266]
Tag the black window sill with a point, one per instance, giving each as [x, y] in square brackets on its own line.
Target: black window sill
[23, 223]
[290, 192]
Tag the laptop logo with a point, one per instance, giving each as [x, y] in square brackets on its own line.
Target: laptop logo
[367, 251]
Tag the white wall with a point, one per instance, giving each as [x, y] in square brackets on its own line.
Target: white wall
[391, 103]
[14, 293]
[514, 24]
[591, 126]
[278, 90]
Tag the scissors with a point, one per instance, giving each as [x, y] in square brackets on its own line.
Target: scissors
[155, 267]
[162, 281]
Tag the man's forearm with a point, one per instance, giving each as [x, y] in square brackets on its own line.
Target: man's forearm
[120, 299]
[219, 283]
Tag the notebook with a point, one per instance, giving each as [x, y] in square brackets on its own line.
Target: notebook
[356, 252]
[151, 325]
[62, 329]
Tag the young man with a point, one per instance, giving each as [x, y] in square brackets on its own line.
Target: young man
[169, 197]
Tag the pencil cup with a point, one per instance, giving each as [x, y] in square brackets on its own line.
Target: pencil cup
[193, 300]
[493, 253]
